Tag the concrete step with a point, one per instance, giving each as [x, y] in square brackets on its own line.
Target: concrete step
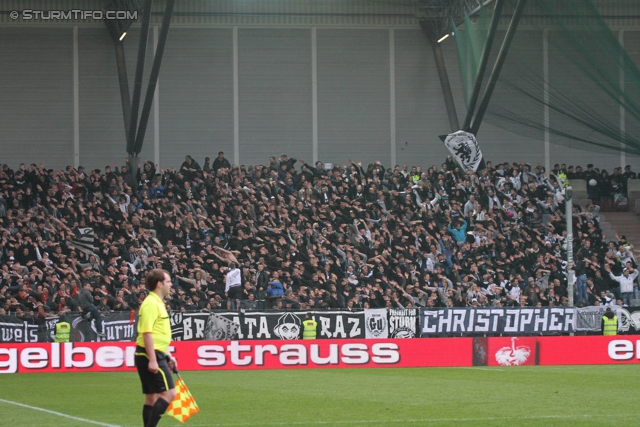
[627, 224]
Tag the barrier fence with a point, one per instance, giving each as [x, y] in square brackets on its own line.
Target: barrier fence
[364, 324]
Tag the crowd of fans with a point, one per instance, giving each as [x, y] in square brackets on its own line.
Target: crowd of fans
[602, 186]
[297, 236]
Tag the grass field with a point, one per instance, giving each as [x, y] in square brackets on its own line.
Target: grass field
[517, 396]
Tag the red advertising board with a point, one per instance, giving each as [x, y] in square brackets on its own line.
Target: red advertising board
[198, 355]
[589, 350]
[369, 353]
[325, 354]
[512, 351]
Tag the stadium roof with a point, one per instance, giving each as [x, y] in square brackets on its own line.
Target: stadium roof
[436, 15]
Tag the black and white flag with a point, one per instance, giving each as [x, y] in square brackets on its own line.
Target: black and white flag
[465, 150]
[82, 240]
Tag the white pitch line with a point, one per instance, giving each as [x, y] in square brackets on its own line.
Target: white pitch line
[60, 414]
[422, 420]
[484, 369]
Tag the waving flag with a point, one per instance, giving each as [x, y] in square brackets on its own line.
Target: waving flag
[183, 406]
[82, 240]
[465, 150]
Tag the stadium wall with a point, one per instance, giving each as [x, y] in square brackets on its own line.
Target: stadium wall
[387, 353]
[315, 81]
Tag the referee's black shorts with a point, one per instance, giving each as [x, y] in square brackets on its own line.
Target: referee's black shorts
[153, 383]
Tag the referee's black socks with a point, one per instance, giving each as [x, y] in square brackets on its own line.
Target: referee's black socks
[146, 414]
[158, 409]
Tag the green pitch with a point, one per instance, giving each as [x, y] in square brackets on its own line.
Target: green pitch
[514, 396]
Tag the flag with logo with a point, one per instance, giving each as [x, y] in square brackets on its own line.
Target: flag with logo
[183, 406]
[464, 148]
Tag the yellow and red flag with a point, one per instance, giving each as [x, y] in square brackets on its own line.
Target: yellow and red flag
[183, 406]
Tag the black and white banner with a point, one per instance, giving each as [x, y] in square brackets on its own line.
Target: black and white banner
[266, 326]
[201, 326]
[220, 328]
[17, 329]
[376, 323]
[464, 148]
[403, 322]
[590, 318]
[629, 320]
[496, 321]
[119, 326]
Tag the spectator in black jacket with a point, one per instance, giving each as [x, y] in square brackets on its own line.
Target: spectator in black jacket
[220, 162]
[90, 310]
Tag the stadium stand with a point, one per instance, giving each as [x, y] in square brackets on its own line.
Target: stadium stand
[304, 237]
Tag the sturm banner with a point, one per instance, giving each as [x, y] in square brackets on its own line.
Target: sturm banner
[403, 322]
[496, 321]
[271, 326]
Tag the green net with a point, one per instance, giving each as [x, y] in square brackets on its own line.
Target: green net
[473, 39]
[586, 93]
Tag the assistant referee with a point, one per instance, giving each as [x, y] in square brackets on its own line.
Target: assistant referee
[152, 346]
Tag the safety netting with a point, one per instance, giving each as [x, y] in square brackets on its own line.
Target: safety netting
[566, 73]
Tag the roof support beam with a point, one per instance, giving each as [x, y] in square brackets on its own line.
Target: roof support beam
[137, 83]
[495, 73]
[484, 59]
[153, 78]
[444, 83]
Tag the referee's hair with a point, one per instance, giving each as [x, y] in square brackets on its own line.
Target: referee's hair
[154, 277]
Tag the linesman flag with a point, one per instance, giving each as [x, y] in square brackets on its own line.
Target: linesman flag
[465, 150]
[183, 406]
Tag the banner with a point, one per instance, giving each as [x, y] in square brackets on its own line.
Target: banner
[302, 354]
[218, 328]
[464, 148]
[403, 322]
[629, 320]
[376, 324]
[590, 318]
[118, 326]
[496, 321]
[18, 329]
[271, 326]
